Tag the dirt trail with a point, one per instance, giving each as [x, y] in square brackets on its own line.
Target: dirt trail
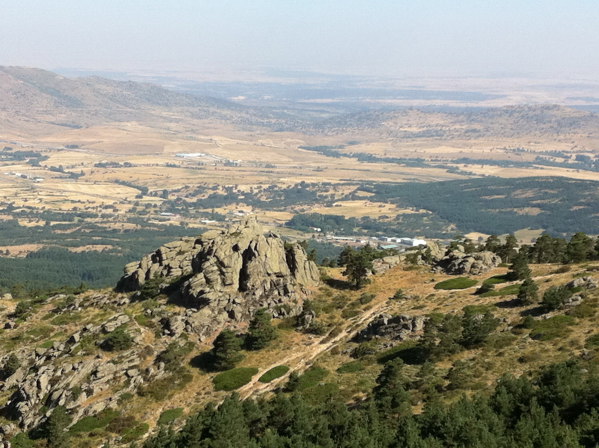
[301, 360]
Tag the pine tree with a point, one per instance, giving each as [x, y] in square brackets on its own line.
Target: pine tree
[55, 428]
[477, 325]
[226, 350]
[508, 250]
[261, 331]
[358, 266]
[390, 392]
[528, 293]
[519, 269]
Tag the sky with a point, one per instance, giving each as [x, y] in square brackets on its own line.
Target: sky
[398, 38]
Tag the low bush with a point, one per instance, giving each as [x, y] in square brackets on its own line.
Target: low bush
[505, 291]
[592, 341]
[273, 374]
[101, 420]
[233, 379]
[170, 416]
[496, 279]
[351, 367]
[118, 340]
[456, 283]
[311, 377]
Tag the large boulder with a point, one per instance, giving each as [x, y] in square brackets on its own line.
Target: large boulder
[229, 274]
[456, 262]
[399, 328]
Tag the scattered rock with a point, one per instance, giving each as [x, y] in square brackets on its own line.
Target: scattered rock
[583, 282]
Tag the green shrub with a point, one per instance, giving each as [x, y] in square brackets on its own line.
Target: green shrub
[234, 378]
[496, 279]
[135, 433]
[456, 283]
[118, 340]
[554, 327]
[169, 416]
[87, 424]
[366, 298]
[273, 374]
[22, 440]
[173, 355]
[351, 367]
[505, 291]
[348, 314]
[11, 365]
[555, 297]
[592, 341]
[399, 295]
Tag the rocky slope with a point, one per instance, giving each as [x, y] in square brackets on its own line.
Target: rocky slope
[221, 277]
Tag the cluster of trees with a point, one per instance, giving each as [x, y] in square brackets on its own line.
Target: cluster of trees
[226, 350]
[556, 408]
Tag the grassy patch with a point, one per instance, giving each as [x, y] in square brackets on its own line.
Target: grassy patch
[87, 424]
[170, 416]
[351, 367]
[506, 291]
[234, 378]
[592, 341]
[456, 283]
[311, 377]
[66, 318]
[554, 327]
[273, 374]
[496, 279]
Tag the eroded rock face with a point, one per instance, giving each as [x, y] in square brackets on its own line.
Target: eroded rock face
[399, 328]
[230, 274]
[456, 262]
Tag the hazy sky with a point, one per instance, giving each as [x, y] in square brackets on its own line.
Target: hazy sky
[379, 37]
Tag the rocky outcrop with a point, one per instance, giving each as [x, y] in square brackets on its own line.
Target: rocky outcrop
[584, 283]
[398, 328]
[227, 275]
[456, 262]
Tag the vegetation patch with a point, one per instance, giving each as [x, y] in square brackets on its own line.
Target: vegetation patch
[234, 378]
[456, 283]
[311, 377]
[91, 423]
[351, 367]
[554, 327]
[505, 291]
[273, 374]
[170, 416]
[496, 279]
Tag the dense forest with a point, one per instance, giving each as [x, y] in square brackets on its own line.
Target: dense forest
[556, 408]
[498, 206]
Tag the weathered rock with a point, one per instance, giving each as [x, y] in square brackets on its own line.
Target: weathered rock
[230, 274]
[400, 327]
[456, 262]
[115, 322]
[382, 265]
[583, 282]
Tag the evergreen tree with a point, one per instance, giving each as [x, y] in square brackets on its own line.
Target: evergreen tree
[477, 325]
[580, 248]
[508, 250]
[261, 332]
[555, 297]
[528, 292]
[11, 365]
[492, 244]
[55, 428]
[390, 391]
[519, 269]
[357, 269]
[345, 255]
[226, 350]
[442, 333]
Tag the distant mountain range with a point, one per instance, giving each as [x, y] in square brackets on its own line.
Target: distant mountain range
[30, 97]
